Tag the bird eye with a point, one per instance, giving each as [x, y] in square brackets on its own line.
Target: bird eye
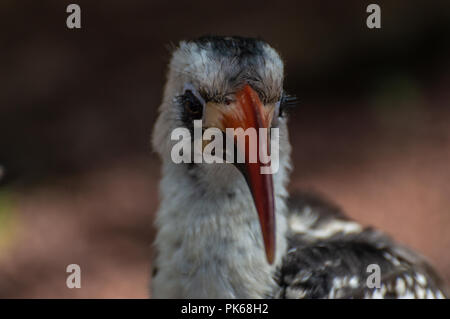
[192, 104]
[286, 102]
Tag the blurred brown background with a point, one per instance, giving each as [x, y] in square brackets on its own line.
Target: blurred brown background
[77, 108]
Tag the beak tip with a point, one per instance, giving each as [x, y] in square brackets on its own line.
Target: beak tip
[270, 258]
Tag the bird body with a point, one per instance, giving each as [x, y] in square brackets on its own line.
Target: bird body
[210, 242]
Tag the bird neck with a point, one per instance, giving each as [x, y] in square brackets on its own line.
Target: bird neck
[209, 242]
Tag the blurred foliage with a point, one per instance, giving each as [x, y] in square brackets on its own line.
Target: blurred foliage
[7, 219]
[398, 101]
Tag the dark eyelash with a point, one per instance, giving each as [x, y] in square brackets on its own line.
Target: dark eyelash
[192, 106]
[288, 102]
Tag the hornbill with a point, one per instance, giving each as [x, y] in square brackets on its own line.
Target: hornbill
[229, 231]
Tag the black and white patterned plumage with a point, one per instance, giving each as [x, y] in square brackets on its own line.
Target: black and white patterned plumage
[328, 257]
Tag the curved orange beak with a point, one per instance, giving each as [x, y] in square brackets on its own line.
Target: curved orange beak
[249, 112]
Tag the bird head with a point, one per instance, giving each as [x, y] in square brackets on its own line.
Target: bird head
[229, 83]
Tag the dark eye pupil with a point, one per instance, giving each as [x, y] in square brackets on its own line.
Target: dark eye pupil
[192, 104]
